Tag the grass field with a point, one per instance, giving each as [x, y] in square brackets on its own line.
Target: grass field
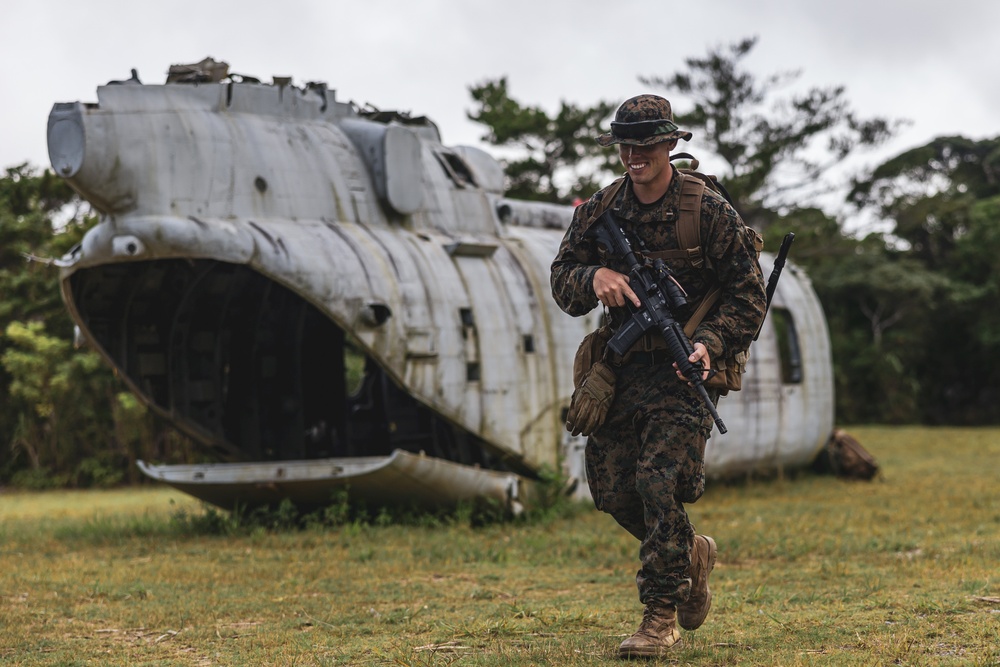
[812, 570]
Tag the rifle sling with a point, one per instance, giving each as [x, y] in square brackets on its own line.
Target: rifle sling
[706, 304]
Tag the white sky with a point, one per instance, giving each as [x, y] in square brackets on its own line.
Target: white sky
[933, 63]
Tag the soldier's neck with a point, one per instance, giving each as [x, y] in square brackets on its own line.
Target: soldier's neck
[649, 193]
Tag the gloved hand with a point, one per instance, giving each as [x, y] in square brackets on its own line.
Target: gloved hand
[589, 407]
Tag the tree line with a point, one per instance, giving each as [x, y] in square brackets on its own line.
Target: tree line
[911, 306]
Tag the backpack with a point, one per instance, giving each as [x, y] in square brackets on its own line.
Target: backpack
[729, 372]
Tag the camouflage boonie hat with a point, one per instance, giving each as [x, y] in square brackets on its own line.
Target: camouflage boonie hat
[641, 121]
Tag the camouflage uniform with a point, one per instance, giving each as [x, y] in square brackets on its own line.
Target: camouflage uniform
[648, 458]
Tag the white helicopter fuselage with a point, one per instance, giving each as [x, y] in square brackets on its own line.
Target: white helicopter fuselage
[253, 236]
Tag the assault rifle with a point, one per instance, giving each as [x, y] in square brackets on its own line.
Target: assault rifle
[660, 295]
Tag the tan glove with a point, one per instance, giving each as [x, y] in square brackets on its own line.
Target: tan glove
[589, 407]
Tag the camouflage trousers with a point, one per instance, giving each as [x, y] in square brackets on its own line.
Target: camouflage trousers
[644, 463]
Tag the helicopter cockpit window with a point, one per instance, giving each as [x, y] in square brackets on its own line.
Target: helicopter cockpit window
[456, 168]
[789, 351]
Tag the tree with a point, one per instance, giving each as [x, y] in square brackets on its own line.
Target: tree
[28, 202]
[555, 159]
[944, 201]
[52, 388]
[776, 149]
[29, 292]
[930, 193]
[867, 312]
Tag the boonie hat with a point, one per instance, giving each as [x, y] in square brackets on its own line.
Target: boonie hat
[641, 121]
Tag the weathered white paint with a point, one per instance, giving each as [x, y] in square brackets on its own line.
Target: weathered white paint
[354, 216]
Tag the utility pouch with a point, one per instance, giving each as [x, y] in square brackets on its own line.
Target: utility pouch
[592, 399]
[593, 384]
[728, 374]
[592, 349]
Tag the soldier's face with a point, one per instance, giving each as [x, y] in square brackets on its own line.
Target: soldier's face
[647, 165]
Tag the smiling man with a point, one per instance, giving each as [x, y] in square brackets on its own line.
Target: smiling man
[647, 458]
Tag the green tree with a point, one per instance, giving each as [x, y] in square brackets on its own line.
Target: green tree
[29, 291]
[930, 192]
[881, 308]
[554, 159]
[52, 391]
[28, 203]
[868, 309]
[776, 148]
[944, 201]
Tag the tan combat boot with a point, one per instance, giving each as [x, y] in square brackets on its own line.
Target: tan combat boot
[657, 635]
[692, 613]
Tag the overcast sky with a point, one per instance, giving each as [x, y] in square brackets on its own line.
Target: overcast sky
[933, 63]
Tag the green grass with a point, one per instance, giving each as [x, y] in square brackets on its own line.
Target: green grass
[904, 570]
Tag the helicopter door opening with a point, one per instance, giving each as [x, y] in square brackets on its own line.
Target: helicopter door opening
[789, 350]
[252, 370]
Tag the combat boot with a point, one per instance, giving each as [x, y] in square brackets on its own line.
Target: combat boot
[656, 636]
[692, 613]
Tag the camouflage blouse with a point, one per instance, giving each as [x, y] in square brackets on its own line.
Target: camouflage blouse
[728, 247]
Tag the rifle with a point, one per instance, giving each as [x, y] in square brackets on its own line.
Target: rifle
[772, 280]
[660, 295]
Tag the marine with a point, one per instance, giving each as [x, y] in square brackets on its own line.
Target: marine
[646, 459]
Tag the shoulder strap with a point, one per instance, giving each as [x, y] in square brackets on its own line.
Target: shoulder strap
[689, 241]
[688, 228]
[609, 196]
[689, 224]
